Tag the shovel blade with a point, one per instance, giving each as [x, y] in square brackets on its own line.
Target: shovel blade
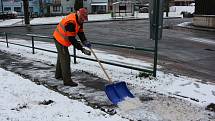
[117, 92]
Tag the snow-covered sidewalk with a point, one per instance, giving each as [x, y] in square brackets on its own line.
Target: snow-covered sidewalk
[168, 84]
[196, 93]
[9, 22]
[22, 100]
[91, 17]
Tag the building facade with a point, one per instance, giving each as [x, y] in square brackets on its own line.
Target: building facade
[54, 7]
[17, 6]
[204, 15]
[67, 6]
[99, 6]
[181, 2]
[61, 7]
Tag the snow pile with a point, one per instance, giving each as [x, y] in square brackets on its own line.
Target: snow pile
[25, 101]
[184, 24]
[129, 104]
[179, 9]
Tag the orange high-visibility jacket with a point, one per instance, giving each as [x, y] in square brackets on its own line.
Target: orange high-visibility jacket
[60, 33]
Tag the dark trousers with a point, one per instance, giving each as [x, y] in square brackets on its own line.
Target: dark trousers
[63, 63]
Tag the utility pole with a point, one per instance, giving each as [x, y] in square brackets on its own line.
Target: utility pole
[26, 12]
[2, 10]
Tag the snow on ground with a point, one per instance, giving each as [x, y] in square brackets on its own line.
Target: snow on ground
[91, 17]
[202, 40]
[184, 24]
[175, 11]
[45, 20]
[51, 20]
[179, 9]
[94, 17]
[9, 22]
[167, 84]
[22, 100]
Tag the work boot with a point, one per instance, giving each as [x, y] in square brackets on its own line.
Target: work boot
[59, 77]
[69, 82]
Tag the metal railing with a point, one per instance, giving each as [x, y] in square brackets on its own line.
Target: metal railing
[33, 36]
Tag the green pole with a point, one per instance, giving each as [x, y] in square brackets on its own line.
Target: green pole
[156, 25]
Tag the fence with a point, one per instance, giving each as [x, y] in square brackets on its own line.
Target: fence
[33, 36]
[123, 9]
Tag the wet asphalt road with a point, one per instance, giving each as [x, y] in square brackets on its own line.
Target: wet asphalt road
[180, 51]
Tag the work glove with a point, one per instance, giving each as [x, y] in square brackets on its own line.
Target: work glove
[87, 43]
[86, 52]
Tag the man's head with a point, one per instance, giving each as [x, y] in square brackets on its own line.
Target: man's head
[82, 15]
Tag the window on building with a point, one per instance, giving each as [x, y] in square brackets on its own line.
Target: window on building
[7, 8]
[67, 8]
[56, 8]
[31, 9]
[17, 9]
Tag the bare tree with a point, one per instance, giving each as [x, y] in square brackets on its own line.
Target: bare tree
[26, 11]
[78, 4]
[2, 9]
[166, 7]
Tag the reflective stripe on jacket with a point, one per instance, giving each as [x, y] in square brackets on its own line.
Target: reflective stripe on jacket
[60, 33]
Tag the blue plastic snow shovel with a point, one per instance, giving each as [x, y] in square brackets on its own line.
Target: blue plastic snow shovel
[116, 92]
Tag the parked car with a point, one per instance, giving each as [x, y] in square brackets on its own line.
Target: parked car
[143, 10]
[8, 15]
[187, 14]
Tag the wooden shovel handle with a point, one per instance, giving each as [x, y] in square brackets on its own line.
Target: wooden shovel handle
[101, 65]
[109, 79]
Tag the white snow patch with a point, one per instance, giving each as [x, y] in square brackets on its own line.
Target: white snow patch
[21, 101]
[129, 104]
[184, 24]
[202, 40]
[91, 17]
[9, 22]
[179, 9]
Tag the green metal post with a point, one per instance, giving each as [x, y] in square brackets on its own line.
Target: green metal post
[7, 40]
[156, 34]
[32, 38]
